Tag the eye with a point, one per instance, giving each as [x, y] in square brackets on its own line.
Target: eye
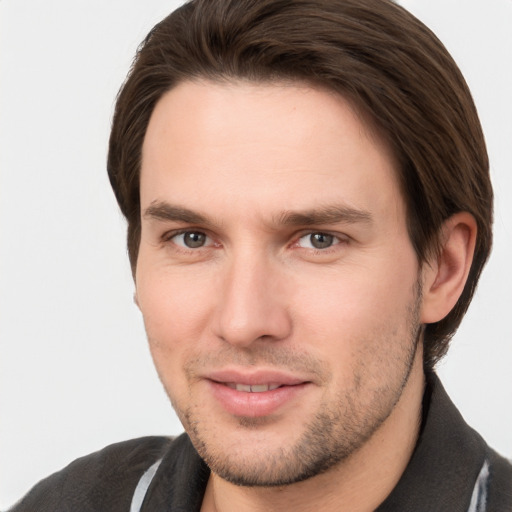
[317, 241]
[191, 239]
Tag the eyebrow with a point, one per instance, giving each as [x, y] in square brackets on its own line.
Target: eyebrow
[160, 210]
[325, 215]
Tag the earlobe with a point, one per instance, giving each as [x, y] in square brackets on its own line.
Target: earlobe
[444, 279]
[136, 299]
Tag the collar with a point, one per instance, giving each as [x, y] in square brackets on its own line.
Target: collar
[446, 462]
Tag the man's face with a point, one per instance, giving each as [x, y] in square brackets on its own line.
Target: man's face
[279, 288]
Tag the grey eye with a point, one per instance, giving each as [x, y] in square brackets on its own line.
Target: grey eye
[317, 241]
[321, 240]
[191, 239]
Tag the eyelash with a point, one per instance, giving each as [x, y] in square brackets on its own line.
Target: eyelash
[169, 236]
[336, 240]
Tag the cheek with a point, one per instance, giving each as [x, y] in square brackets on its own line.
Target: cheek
[175, 306]
[173, 322]
[352, 303]
[352, 311]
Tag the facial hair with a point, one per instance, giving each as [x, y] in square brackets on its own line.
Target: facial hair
[339, 428]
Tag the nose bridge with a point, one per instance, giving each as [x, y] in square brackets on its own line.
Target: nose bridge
[252, 305]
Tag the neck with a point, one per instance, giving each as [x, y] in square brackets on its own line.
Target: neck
[358, 484]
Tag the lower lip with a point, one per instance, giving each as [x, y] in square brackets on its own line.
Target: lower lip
[255, 405]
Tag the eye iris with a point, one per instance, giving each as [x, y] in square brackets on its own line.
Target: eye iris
[193, 239]
[321, 240]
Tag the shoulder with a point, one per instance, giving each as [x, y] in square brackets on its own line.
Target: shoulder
[496, 482]
[104, 480]
[489, 474]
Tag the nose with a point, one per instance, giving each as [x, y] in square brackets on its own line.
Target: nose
[253, 303]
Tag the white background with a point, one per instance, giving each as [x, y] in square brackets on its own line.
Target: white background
[75, 373]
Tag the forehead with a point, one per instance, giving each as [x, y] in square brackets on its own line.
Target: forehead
[262, 143]
[252, 105]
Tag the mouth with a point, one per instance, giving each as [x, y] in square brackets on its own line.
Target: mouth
[256, 395]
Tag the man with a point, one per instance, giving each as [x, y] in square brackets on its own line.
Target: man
[309, 209]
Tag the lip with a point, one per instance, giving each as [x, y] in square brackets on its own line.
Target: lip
[255, 404]
[256, 377]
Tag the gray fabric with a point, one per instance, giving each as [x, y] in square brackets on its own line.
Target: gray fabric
[479, 497]
[142, 487]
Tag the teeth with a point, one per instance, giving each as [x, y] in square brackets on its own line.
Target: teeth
[258, 388]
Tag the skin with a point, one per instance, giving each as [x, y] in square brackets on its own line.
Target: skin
[240, 270]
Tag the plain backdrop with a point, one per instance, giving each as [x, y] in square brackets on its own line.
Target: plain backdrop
[75, 372]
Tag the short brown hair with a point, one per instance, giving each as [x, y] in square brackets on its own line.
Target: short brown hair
[372, 52]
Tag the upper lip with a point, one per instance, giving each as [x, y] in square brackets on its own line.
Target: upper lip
[253, 377]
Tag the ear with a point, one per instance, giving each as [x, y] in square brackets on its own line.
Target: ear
[136, 299]
[444, 278]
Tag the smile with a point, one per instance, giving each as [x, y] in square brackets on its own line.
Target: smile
[255, 396]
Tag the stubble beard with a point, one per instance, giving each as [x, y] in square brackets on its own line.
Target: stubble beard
[331, 436]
